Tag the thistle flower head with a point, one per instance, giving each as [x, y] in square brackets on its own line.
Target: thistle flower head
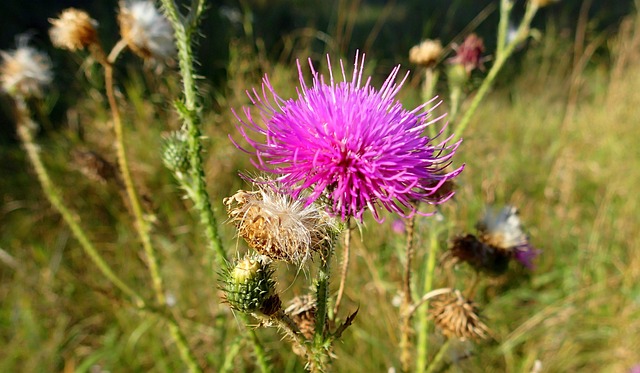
[249, 286]
[278, 226]
[426, 53]
[458, 317]
[74, 29]
[146, 31]
[25, 71]
[469, 54]
[352, 144]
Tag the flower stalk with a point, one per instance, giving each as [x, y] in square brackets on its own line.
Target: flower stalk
[25, 127]
[502, 55]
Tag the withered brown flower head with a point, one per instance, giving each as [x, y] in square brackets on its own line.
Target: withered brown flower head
[469, 54]
[302, 310]
[458, 317]
[426, 53]
[74, 29]
[279, 227]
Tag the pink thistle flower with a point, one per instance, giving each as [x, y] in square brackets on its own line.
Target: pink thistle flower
[349, 143]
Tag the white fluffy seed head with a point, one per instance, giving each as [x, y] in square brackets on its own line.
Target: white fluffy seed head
[25, 71]
[145, 30]
[279, 227]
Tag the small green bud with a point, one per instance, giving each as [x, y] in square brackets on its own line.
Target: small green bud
[457, 76]
[249, 286]
[175, 152]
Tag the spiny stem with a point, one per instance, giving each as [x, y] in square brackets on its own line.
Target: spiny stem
[183, 31]
[405, 317]
[320, 358]
[191, 116]
[25, 125]
[345, 267]
[140, 222]
[501, 58]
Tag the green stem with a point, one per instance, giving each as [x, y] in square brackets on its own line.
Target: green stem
[190, 112]
[501, 58]
[258, 349]
[503, 25]
[320, 357]
[25, 125]
[439, 356]
[140, 222]
[345, 267]
[405, 317]
[423, 330]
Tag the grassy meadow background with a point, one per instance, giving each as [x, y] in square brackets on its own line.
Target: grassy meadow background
[557, 137]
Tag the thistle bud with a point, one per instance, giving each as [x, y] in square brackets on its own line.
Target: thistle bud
[74, 29]
[249, 287]
[175, 152]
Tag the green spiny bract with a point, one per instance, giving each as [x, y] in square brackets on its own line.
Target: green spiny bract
[175, 152]
[249, 286]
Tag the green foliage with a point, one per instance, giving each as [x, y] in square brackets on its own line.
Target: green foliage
[558, 141]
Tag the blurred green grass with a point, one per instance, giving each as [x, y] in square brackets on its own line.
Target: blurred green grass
[568, 160]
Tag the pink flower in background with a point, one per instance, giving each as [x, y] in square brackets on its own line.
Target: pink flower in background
[349, 143]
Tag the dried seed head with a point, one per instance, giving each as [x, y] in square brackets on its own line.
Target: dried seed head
[74, 29]
[147, 32]
[458, 317]
[427, 53]
[279, 227]
[25, 71]
[249, 286]
[302, 310]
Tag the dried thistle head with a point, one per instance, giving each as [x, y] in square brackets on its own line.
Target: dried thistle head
[427, 53]
[278, 226]
[249, 286]
[302, 310]
[25, 71]
[458, 317]
[145, 30]
[73, 30]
